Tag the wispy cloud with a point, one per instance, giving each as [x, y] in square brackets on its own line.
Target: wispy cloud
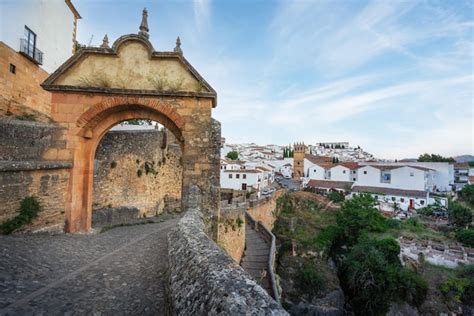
[202, 10]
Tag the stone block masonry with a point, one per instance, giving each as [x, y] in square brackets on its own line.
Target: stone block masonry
[232, 232]
[48, 185]
[132, 169]
[205, 281]
[20, 92]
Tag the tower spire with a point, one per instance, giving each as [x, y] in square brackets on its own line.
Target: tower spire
[144, 25]
[178, 49]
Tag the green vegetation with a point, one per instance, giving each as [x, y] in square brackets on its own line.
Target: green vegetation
[459, 215]
[288, 152]
[29, 209]
[369, 267]
[26, 117]
[232, 155]
[434, 158]
[240, 222]
[453, 289]
[309, 280]
[466, 236]
[467, 193]
[335, 196]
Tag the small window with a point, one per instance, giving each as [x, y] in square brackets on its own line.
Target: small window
[376, 197]
[314, 170]
[393, 199]
[230, 176]
[365, 172]
[353, 179]
[244, 186]
[12, 69]
[237, 176]
[402, 200]
[244, 176]
[412, 174]
[344, 171]
[422, 202]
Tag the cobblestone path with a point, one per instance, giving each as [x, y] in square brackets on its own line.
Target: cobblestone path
[120, 271]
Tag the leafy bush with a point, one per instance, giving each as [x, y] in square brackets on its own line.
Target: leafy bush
[459, 215]
[309, 280]
[373, 277]
[29, 209]
[467, 193]
[466, 236]
[453, 289]
[335, 196]
[467, 272]
[411, 287]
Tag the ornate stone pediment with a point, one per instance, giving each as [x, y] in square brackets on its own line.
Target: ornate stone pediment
[131, 66]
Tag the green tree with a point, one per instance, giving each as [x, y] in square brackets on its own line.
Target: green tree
[466, 237]
[232, 155]
[459, 215]
[334, 196]
[434, 158]
[467, 193]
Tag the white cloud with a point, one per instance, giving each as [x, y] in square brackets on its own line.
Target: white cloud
[202, 10]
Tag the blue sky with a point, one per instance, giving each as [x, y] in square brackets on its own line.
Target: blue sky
[395, 77]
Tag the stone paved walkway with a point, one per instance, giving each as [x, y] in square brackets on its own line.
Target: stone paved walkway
[120, 271]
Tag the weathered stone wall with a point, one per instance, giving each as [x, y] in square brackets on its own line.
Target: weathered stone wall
[232, 232]
[263, 210]
[204, 280]
[47, 182]
[27, 140]
[138, 169]
[21, 94]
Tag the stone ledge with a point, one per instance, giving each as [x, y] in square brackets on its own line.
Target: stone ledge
[205, 281]
[33, 165]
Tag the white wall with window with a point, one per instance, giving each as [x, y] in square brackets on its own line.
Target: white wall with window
[243, 179]
[45, 26]
[341, 173]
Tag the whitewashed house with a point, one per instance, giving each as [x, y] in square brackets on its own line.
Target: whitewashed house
[44, 31]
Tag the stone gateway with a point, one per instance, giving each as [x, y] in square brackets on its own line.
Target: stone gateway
[98, 88]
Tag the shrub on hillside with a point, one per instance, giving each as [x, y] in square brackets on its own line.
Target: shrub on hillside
[459, 215]
[466, 236]
[467, 193]
[335, 196]
[310, 281]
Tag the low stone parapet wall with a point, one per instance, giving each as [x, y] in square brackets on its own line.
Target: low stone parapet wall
[203, 280]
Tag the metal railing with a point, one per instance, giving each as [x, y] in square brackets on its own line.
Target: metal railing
[31, 51]
[267, 234]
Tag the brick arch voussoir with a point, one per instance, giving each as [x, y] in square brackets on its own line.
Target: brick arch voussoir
[100, 110]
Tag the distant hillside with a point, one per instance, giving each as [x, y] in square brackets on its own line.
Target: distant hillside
[464, 158]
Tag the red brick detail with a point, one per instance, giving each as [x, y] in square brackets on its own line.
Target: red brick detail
[100, 110]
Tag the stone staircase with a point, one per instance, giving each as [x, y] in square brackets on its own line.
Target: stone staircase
[255, 260]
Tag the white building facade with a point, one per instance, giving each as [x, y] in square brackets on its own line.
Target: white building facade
[43, 30]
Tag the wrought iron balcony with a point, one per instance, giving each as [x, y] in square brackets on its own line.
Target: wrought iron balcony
[31, 52]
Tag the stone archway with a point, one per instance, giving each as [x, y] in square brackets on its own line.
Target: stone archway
[87, 109]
